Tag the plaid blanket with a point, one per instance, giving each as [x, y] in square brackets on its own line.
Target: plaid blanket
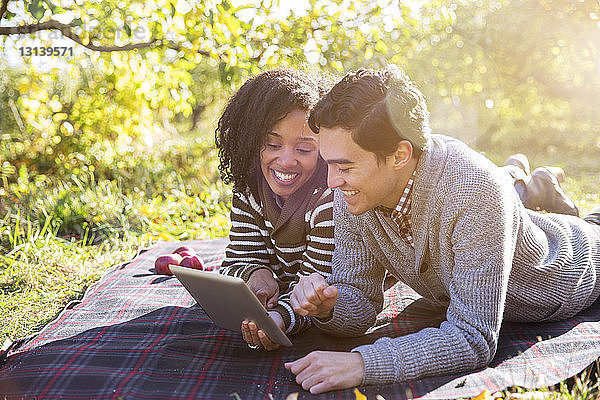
[138, 335]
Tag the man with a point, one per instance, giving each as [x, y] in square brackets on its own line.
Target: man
[444, 220]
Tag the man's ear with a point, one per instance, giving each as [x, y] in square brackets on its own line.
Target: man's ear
[403, 154]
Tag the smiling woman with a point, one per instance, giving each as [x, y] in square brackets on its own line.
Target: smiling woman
[281, 215]
[290, 155]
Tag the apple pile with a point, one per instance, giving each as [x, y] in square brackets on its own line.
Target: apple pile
[183, 256]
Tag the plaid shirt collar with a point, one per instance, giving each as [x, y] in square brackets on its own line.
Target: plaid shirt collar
[403, 206]
[400, 214]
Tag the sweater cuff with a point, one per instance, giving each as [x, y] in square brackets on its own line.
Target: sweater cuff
[380, 367]
[287, 314]
[250, 269]
[331, 324]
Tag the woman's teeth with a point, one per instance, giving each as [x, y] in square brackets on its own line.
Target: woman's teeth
[284, 177]
[349, 193]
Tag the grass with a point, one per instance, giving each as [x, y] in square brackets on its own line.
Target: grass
[583, 386]
[42, 273]
[57, 237]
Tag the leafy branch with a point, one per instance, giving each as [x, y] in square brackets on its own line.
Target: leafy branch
[67, 31]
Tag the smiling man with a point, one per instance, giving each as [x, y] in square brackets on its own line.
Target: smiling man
[444, 220]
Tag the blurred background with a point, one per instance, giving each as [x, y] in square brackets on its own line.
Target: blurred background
[109, 145]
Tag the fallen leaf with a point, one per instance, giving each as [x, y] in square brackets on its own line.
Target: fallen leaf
[235, 396]
[482, 396]
[359, 395]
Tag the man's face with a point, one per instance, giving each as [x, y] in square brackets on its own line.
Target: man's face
[365, 183]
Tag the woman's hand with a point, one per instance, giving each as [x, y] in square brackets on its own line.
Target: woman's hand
[257, 337]
[264, 286]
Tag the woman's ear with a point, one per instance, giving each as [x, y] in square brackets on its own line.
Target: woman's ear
[403, 154]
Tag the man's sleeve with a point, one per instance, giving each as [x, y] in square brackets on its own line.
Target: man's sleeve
[247, 251]
[483, 242]
[356, 274]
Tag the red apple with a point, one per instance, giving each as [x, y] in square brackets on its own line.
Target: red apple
[193, 262]
[161, 265]
[185, 249]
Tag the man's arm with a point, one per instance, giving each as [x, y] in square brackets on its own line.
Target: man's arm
[356, 276]
[483, 243]
[483, 240]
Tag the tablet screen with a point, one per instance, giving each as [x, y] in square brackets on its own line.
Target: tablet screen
[228, 301]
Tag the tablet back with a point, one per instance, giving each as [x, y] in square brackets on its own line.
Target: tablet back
[228, 301]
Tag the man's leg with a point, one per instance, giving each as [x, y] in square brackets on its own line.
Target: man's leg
[593, 217]
[546, 193]
[541, 190]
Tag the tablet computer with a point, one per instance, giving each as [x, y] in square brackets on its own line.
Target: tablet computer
[228, 301]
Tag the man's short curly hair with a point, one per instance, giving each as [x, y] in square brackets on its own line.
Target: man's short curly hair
[380, 108]
[252, 112]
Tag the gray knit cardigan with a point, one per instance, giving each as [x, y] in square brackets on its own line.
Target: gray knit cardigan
[477, 251]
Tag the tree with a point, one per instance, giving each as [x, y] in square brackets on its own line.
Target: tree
[501, 74]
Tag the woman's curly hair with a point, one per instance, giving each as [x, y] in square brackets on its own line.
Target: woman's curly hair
[252, 112]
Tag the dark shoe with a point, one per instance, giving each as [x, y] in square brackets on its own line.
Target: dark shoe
[558, 172]
[517, 166]
[520, 161]
[389, 281]
[545, 193]
[593, 217]
[516, 173]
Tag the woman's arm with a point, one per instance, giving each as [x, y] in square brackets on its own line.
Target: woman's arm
[316, 258]
[247, 256]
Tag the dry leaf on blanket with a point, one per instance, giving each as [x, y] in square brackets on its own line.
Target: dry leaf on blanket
[359, 395]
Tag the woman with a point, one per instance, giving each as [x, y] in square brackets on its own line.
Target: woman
[281, 215]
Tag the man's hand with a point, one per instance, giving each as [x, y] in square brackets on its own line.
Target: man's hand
[312, 296]
[257, 337]
[264, 286]
[322, 371]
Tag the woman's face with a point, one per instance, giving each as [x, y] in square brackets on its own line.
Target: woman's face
[289, 157]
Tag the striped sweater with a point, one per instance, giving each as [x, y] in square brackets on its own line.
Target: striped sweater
[254, 244]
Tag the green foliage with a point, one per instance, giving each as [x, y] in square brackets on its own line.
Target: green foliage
[176, 196]
[513, 81]
[58, 234]
[515, 86]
